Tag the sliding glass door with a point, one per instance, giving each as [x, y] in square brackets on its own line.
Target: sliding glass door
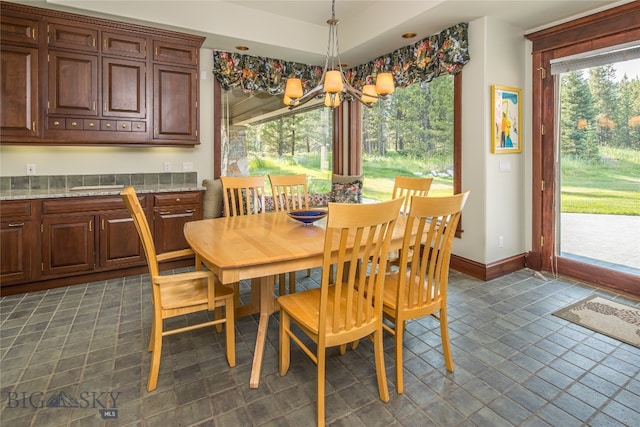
[598, 165]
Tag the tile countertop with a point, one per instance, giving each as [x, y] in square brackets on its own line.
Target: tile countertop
[97, 190]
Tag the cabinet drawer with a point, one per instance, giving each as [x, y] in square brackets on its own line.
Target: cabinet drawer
[123, 126]
[15, 209]
[19, 30]
[56, 123]
[124, 45]
[108, 125]
[74, 124]
[86, 204]
[178, 199]
[175, 53]
[90, 124]
[138, 127]
[72, 37]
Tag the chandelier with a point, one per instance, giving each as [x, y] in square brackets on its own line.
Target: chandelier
[333, 83]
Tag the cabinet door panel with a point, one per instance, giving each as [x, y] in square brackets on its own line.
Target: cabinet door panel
[124, 45]
[168, 227]
[72, 37]
[19, 30]
[175, 103]
[18, 91]
[73, 83]
[119, 241]
[124, 86]
[68, 244]
[175, 53]
[16, 240]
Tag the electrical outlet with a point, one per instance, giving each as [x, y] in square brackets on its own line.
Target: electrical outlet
[31, 169]
[187, 166]
[167, 167]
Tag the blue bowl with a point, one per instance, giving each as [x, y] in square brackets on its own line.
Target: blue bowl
[307, 216]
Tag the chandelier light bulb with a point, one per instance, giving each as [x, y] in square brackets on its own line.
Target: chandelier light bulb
[369, 95]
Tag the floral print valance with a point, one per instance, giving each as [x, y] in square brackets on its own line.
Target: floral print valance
[443, 53]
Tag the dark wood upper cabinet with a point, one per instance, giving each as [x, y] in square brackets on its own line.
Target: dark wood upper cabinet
[73, 84]
[102, 82]
[72, 37]
[124, 88]
[124, 45]
[16, 29]
[19, 103]
[175, 103]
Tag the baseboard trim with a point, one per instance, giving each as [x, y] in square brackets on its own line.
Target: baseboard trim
[487, 271]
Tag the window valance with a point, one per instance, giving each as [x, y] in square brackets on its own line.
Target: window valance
[443, 53]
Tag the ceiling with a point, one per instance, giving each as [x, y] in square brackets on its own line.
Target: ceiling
[297, 30]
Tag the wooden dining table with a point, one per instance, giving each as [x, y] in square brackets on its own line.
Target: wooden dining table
[260, 247]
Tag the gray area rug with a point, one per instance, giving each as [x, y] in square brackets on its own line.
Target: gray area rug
[616, 320]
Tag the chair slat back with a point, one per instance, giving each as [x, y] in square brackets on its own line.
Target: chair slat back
[424, 281]
[407, 187]
[357, 240]
[132, 203]
[289, 192]
[243, 195]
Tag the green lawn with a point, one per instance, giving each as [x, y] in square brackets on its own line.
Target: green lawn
[610, 187]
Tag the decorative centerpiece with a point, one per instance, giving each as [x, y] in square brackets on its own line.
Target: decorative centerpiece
[307, 216]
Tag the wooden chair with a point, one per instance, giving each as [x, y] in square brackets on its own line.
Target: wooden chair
[350, 309]
[289, 193]
[419, 287]
[243, 195]
[407, 187]
[178, 294]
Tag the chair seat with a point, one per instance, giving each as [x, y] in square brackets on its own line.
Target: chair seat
[190, 294]
[304, 309]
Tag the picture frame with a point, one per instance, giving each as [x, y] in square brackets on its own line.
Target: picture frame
[506, 119]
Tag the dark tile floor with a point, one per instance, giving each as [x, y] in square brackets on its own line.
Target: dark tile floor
[74, 356]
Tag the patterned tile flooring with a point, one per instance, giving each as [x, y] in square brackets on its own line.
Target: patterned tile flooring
[77, 356]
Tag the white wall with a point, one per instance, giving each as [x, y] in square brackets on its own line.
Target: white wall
[496, 206]
[106, 160]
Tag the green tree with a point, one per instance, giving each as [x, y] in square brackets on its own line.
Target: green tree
[577, 118]
[605, 96]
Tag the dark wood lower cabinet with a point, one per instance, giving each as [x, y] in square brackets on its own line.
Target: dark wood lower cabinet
[116, 245]
[58, 242]
[68, 244]
[17, 239]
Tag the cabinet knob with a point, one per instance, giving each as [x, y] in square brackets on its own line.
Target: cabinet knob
[108, 125]
[124, 126]
[91, 124]
[56, 123]
[138, 126]
[74, 124]
[177, 199]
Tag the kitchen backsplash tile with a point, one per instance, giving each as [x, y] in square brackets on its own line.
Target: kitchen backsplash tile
[62, 182]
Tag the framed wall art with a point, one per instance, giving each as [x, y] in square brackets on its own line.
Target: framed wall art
[506, 119]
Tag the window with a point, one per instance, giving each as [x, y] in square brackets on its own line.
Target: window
[410, 134]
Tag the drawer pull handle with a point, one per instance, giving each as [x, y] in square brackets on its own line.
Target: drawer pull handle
[16, 224]
[177, 199]
[108, 125]
[124, 126]
[74, 124]
[138, 126]
[191, 210]
[56, 123]
[91, 124]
